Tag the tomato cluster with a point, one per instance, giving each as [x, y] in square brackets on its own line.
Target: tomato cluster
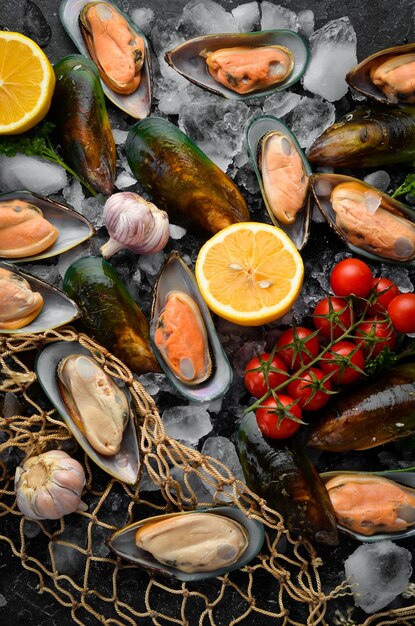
[306, 366]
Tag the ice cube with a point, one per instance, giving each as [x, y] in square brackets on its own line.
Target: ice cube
[378, 573]
[246, 16]
[120, 136]
[277, 16]
[124, 180]
[306, 22]
[399, 274]
[150, 264]
[146, 482]
[67, 258]
[195, 485]
[3, 600]
[31, 173]
[11, 405]
[223, 450]
[187, 423]
[176, 232]
[281, 103]
[309, 118]
[48, 273]
[380, 179]
[333, 54]
[70, 560]
[93, 209]
[206, 17]
[74, 194]
[144, 18]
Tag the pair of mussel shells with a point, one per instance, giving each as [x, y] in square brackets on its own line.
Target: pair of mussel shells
[32, 228]
[373, 506]
[183, 336]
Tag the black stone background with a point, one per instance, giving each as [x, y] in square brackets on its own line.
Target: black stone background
[378, 24]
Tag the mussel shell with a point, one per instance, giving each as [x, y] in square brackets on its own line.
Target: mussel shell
[186, 59]
[73, 228]
[258, 128]
[57, 310]
[125, 464]
[122, 542]
[322, 186]
[359, 76]
[402, 477]
[137, 104]
[176, 276]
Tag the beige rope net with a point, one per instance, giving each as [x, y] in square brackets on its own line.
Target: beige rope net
[103, 589]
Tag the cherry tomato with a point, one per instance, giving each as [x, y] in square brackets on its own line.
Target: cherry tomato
[340, 316]
[402, 312]
[385, 291]
[378, 334]
[255, 381]
[351, 277]
[309, 390]
[295, 349]
[272, 412]
[335, 361]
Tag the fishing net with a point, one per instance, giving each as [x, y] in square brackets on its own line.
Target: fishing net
[69, 557]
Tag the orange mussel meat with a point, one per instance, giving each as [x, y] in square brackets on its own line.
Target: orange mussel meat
[396, 78]
[182, 340]
[371, 504]
[284, 178]
[116, 49]
[247, 69]
[23, 230]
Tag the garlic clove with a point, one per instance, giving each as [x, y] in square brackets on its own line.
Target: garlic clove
[134, 223]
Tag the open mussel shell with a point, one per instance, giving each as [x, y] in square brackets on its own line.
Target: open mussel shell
[405, 477]
[175, 276]
[123, 543]
[360, 76]
[72, 227]
[186, 59]
[125, 464]
[377, 227]
[257, 133]
[57, 309]
[137, 104]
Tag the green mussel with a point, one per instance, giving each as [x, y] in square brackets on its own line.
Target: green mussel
[370, 415]
[366, 137]
[109, 314]
[82, 124]
[281, 472]
[181, 179]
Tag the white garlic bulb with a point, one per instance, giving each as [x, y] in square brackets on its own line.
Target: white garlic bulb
[134, 223]
[49, 486]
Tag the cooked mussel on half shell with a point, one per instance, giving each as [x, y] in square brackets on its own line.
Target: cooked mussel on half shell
[32, 227]
[96, 410]
[387, 76]
[183, 336]
[102, 31]
[283, 174]
[370, 222]
[373, 506]
[29, 305]
[191, 545]
[242, 65]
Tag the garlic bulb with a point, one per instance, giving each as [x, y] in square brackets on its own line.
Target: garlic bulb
[134, 223]
[49, 486]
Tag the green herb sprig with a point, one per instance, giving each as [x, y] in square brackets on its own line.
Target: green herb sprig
[407, 187]
[37, 142]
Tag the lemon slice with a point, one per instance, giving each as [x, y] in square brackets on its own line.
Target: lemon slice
[250, 273]
[27, 81]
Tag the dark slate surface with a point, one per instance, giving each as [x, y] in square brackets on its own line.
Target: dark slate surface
[378, 24]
